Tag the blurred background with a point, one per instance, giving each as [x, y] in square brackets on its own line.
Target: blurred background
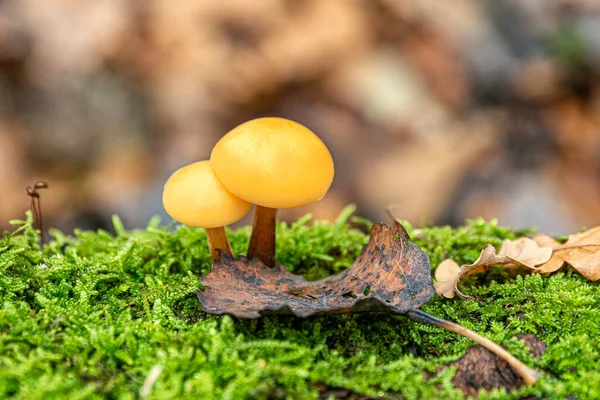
[447, 109]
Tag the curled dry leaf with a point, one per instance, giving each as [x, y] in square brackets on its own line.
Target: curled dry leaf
[521, 252]
[487, 259]
[581, 251]
[446, 275]
[391, 274]
[525, 252]
[554, 263]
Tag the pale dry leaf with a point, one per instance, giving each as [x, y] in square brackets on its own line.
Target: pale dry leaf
[541, 254]
[526, 252]
[485, 261]
[581, 251]
[554, 263]
[446, 275]
[522, 252]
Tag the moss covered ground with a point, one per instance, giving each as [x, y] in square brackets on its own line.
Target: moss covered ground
[115, 315]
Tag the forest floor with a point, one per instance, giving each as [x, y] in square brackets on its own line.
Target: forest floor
[115, 315]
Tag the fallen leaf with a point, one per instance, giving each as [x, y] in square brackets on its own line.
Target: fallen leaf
[526, 252]
[391, 274]
[487, 259]
[521, 252]
[554, 263]
[446, 274]
[581, 251]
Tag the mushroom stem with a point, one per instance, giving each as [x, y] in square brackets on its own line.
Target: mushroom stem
[529, 375]
[262, 241]
[218, 242]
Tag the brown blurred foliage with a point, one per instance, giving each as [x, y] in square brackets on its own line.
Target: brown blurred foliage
[446, 109]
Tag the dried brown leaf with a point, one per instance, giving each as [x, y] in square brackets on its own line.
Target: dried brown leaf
[391, 274]
[487, 259]
[542, 254]
[526, 252]
[581, 251]
[521, 252]
[446, 275]
[555, 262]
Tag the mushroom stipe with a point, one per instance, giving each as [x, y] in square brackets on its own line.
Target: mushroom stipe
[391, 275]
[262, 240]
[218, 242]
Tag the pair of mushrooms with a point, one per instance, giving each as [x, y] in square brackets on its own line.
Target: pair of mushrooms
[271, 162]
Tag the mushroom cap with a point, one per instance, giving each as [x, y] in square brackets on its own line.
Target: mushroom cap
[194, 196]
[273, 162]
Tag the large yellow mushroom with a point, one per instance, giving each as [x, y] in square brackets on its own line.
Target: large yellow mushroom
[273, 163]
[194, 196]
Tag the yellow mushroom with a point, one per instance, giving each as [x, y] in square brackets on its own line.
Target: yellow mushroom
[273, 163]
[194, 196]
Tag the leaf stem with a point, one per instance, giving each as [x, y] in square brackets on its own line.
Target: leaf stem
[529, 375]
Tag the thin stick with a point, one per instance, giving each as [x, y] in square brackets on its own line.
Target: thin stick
[218, 242]
[40, 220]
[529, 375]
[262, 241]
[33, 204]
[36, 207]
[36, 186]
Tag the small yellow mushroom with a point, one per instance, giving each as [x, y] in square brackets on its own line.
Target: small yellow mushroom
[273, 163]
[194, 196]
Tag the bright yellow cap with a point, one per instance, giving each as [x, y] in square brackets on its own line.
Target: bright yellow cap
[194, 196]
[273, 162]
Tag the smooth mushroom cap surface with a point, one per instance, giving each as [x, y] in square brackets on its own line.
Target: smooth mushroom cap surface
[273, 162]
[194, 196]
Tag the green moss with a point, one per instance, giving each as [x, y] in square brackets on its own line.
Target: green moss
[91, 315]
